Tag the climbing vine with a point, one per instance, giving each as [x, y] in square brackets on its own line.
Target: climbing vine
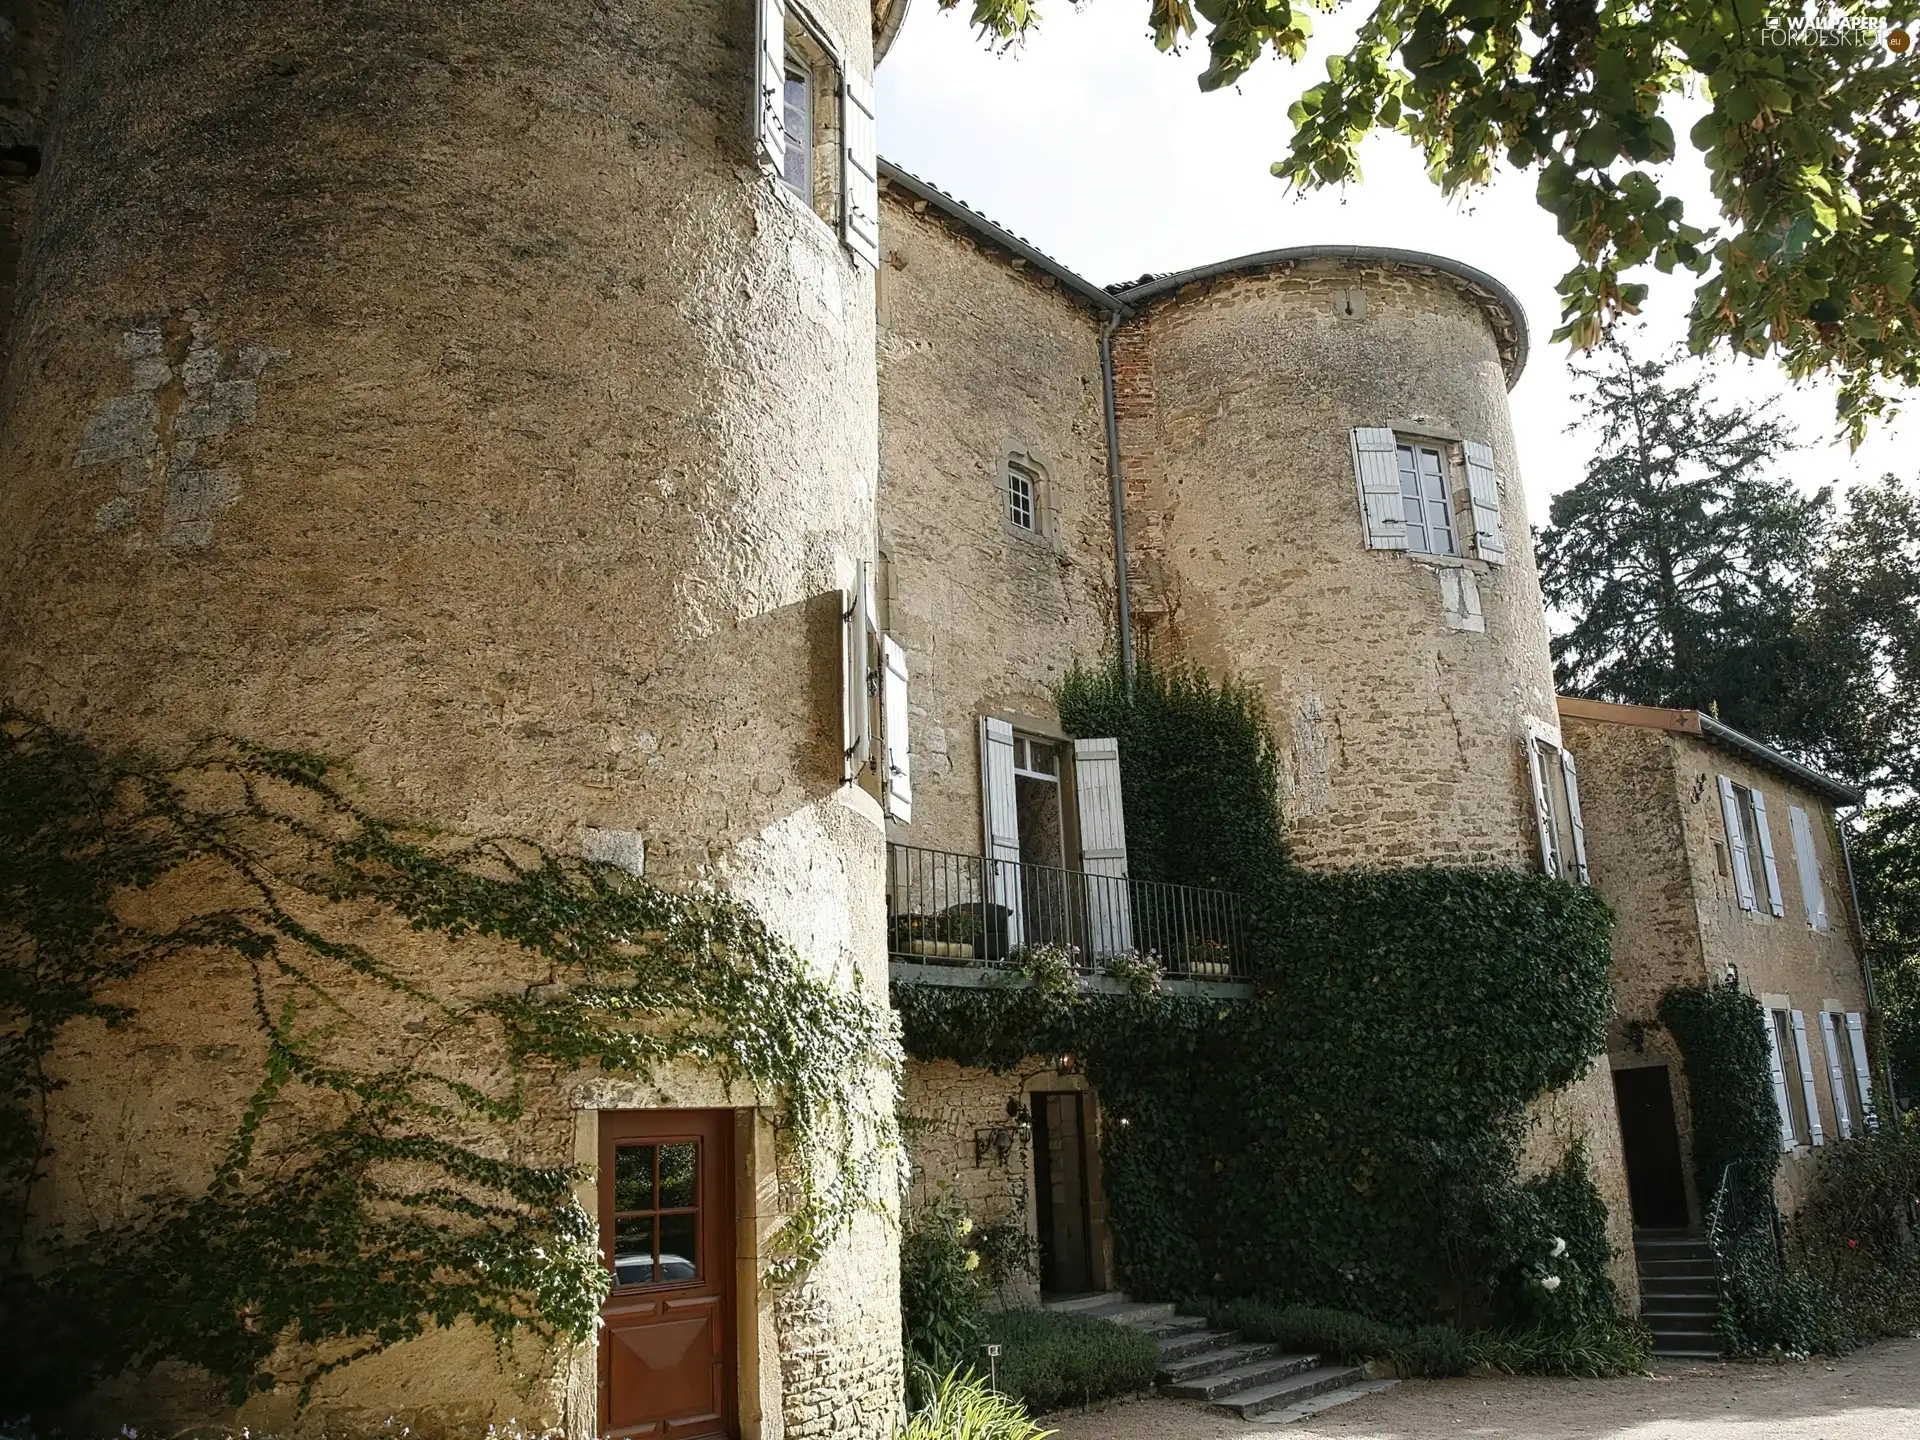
[1349, 1136]
[410, 997]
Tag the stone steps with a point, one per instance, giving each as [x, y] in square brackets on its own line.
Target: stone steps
[1222, 1368]
[1679, 1294]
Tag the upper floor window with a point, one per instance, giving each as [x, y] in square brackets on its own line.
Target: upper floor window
[1426, 500]
[1406, 486]
[1743, 810]
[1023, 496]
[813, 124]
[797, 168]
[1556, 803]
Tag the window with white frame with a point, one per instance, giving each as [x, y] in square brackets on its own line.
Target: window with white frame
[1407, 494]
[1756, 876]
[1426, 499]
[1792, 1065]
[813, 124]
[1556, 803]
[1025, 490]
[1848, 1073]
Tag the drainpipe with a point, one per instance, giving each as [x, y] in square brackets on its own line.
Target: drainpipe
[1866, 960]
[1118, 489]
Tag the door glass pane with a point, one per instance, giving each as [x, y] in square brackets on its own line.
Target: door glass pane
[678, 1164]
[1410, 509]
[633, 1251]
[633, 1177]
[679, 1247]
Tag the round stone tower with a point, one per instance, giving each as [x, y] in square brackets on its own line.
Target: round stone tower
[446, 389]
[1400, 679]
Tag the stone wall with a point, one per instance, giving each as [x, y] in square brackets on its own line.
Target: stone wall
[30, 32]
[1400, 730]
[445, 390]
[980, 356]
[1656, 841]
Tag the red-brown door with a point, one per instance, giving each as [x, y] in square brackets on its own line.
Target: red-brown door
[666, 1228]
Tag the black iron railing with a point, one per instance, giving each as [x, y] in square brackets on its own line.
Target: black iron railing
[968, 910]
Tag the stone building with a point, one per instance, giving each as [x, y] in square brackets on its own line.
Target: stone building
[517, 403]
[1724, 862]
[1347, 534]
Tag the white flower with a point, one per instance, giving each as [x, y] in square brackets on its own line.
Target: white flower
[1552, 1282]
[1558, 1248]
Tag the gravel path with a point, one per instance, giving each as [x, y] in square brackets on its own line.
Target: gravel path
[1871, 1395]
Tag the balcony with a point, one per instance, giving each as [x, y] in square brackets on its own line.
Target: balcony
[964, 919]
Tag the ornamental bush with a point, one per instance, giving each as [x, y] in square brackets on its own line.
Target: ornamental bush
[1049, 1360]
[942, 1293]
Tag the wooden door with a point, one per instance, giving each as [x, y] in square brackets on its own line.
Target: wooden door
[666, 1230]
[1060, 1186]
[1650, 1142]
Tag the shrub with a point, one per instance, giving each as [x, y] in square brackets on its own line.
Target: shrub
[942, 1304]
[1432, 1350]
[961, 1406]
[1593, 1349]
[1007, 1253]
[1049, 1359]
[1851, 1244]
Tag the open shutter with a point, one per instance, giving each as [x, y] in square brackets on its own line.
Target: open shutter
[1542, 807]
[1779, 1083]
[897, 789]
[1806, 1076]
[1857, 1036]
[770, 84]
[860, 170]
[1483, 487]
[1103, 846]
[1775, 902]
[1002, 818]
[1574, 822]
[1812, 893]
[1377, 471]
[1834, 1037]
[856, 665]
[1736, 844]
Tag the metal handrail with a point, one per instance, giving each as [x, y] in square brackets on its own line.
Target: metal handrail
[973, 910]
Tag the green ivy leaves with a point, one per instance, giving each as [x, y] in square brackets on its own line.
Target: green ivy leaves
[376, 1184]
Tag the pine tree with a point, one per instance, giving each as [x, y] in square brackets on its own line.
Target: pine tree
[1685, 562]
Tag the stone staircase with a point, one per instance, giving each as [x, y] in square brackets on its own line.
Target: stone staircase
[1244, 1377]
[1679, 1293]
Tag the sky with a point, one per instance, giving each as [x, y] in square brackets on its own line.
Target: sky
[1103, 152]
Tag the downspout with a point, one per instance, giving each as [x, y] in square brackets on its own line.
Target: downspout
[1866, 959]
[1118, 498]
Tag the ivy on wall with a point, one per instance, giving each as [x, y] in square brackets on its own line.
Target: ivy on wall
[1349, 1136]
[409, 993]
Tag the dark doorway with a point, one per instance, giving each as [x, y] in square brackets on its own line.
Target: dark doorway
[1656, 1184]
[666, 1228]
[1060, 1192]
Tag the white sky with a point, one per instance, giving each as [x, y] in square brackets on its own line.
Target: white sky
[1104, 153]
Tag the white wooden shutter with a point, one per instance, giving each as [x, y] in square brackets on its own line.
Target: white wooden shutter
[1806, 1076]
[897, 788]
[1812, 893]
[1862, 1072]
[1574, 822]
[1542, 806]
[1483, 486]
[1834, 1037]
[1002, 819]
[1775, 902]
[856, 665]
[1736, 844]
[770, 84]
[1779, 1083]
[860, 170]
[1376, 470]
[1103, 846]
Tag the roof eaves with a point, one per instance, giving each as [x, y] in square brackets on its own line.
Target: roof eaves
[1816, 780]
[973, 220]
[1134, 292]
